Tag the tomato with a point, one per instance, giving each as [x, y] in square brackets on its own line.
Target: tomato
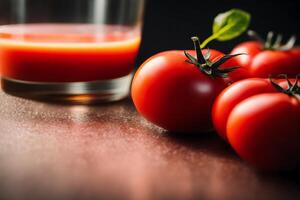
[276, 62]
[234, 94]
[238, 74]
[260, 62]
[174, 94]
[251, 49]
[260, 123]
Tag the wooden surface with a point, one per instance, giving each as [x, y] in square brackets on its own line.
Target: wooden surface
[50, 151]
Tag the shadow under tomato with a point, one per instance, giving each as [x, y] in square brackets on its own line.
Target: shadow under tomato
[291, 176]
[209, 142]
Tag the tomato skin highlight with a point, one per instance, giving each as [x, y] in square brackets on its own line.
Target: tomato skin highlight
[232, 95]
[265, 131]
[174, 94]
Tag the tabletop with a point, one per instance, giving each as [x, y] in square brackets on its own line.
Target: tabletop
[55, 151]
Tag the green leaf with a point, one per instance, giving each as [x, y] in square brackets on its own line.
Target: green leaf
[278, 87]
[290, 44]
[230, 69]
[231, 24]
[190, 57]
[225, 58]
[207, 55]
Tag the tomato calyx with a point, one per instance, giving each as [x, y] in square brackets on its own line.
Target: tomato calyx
[271, 44]
[292, 90]
[206, 66]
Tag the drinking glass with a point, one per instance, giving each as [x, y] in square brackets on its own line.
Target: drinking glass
[70, 50]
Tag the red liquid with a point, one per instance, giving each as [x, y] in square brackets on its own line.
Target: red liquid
[67, 53]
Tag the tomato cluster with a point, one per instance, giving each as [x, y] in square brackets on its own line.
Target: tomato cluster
[260, 120]
[188, 91]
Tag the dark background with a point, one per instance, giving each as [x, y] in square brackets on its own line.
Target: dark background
[169, 24]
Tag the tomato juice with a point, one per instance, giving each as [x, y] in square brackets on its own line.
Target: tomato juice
[66, 52]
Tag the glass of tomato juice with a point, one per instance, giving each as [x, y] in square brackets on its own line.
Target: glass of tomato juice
[70, 50]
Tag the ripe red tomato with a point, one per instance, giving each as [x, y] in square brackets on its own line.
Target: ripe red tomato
[234, 94]
[276, 62]
[238, 74]
[251, 49]
[177, 95]
[262, 63]
[261, 124]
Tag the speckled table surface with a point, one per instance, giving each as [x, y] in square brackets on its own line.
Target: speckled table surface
[51, 151]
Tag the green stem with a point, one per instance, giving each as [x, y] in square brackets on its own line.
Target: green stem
[268, 45]
[198, 50]
[292, 90]
[216, 35]
[208, 40]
